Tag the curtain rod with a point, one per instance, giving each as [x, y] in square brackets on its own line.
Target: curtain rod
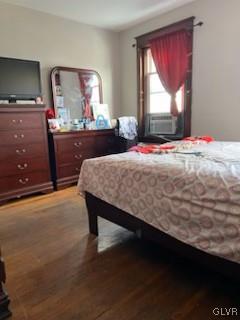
[199, 24]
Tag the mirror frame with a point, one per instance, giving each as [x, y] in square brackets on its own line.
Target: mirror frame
[79, 70]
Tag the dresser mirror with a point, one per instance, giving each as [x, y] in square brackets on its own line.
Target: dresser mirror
[75, 91]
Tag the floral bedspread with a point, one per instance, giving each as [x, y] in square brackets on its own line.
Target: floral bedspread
[192, 196]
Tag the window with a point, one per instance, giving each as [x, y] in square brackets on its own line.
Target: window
[95, 98]
[158, 100]
[152, 96]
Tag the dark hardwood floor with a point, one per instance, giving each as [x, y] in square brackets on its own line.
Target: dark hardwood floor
[57, 271]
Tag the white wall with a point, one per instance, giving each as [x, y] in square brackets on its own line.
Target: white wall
[216, 66]
[29, 34]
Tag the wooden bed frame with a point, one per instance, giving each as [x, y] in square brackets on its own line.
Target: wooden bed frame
[99, 208]
[4, 300]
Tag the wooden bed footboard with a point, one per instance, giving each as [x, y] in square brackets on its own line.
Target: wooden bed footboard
[4, 300]
[99, 208]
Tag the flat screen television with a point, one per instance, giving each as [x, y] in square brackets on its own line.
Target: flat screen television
[19, 79]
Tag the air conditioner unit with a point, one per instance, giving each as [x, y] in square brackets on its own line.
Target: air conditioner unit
[160, 123]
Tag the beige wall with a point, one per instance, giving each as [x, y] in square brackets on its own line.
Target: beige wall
[216, 66]
[29, 34]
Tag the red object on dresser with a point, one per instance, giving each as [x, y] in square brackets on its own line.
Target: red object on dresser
[50, 114]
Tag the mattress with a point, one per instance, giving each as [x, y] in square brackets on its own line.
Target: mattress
[194, 197]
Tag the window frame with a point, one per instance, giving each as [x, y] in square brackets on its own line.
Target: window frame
[142, 46]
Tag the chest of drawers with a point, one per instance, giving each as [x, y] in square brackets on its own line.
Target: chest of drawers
[69, 149]
[24, 157]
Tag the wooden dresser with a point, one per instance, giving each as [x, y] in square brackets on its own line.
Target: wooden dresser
[24, 157]
[69, 149]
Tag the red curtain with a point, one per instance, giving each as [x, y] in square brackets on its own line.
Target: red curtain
[170, 55]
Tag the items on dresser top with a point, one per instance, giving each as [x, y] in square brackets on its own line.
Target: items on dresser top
[24, 157]
[69, 149]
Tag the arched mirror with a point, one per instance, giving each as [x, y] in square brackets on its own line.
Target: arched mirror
[74, 92]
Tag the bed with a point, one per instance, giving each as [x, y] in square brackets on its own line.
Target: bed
[188, 201]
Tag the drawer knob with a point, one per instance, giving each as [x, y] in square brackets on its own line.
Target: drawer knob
[77, 169]
[78, 156]
[22, 151]
[23, 181]
[22, 166]
[17, 121]
[16, 136]
[78, 144]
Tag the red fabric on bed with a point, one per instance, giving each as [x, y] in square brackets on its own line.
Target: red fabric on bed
[164, 148]
[199, 138]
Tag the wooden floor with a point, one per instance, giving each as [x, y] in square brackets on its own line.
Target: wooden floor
[56, 270]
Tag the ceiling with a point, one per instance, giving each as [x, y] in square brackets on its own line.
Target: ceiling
[109, 14]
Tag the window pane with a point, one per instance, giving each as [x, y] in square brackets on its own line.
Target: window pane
[95, 81]
[180, 99]
[150, 63]
[159, 102]
[95, 94]
[155, 84]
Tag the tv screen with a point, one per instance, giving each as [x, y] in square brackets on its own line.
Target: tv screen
[19, 79]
